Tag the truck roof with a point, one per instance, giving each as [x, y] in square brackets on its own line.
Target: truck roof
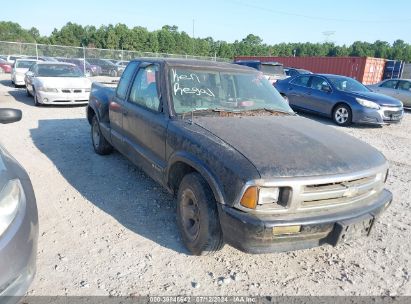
[195, 63]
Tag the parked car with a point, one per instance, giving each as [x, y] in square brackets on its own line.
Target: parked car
[246, 170]
[19, 227]
[122, 63]
[12, 58]
[57, 83]
[5, 67]
[20, 67]
[397, 88]
[43, 58]
[91, 70]
[273, 71]
[107, 67]
[341, 98]
[294, 71]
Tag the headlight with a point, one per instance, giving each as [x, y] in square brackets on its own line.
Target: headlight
[44, 89]
[266, 198]
[368, 103]
[10, 198]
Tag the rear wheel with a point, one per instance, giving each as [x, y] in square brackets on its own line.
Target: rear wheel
[100, 144]
[342, 115]
[197, 216]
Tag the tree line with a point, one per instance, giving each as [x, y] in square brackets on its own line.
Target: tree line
[170, 40]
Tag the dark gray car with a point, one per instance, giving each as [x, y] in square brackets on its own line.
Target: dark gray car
[342, 98]
[18, 224]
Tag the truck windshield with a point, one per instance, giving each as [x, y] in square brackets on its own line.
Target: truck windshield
[195, 89]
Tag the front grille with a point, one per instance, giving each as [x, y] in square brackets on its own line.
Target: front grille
[72, 90]
[389, 113]
[339, 193]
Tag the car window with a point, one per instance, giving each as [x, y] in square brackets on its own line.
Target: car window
[144, 89]
[390, 84]
[125, 80]
[317, 83]
[301, 81]
[404, 85]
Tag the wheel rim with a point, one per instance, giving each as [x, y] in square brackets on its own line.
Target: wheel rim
[96, 134]
[190, 214]
[341, 115]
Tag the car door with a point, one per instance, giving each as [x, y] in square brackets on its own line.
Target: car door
[145, 123]
[319, 97]
[117, 106]
[30, 76]
[296, 90]
[404, 92]
[387, 87]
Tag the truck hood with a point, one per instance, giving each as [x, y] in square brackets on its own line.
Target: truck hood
[291, 146]
[381, 99]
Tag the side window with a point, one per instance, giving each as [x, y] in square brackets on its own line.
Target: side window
[125, 80]
[390, 84]
[301, 81]
[317, 83]
[144, 89]
[404, 85]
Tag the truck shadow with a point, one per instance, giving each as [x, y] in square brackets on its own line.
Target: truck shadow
[111, 183]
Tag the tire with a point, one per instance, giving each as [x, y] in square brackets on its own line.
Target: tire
[36, 101]
[100, 144]
[342, 115]
[197, 216]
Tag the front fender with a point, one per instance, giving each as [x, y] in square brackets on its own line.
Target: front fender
[201, 167]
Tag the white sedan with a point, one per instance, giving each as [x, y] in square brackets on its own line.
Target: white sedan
[20, 67]
[57, 83]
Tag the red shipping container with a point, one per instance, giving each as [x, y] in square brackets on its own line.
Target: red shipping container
[367, 70]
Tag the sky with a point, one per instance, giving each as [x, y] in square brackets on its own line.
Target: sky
[341, 22]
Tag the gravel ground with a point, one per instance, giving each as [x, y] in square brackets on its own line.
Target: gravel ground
[108, 229]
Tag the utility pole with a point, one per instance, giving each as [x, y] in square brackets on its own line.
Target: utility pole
[193, 38]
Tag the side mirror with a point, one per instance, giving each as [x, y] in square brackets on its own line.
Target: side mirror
[326, 88]
[10, 115]
[29, 74]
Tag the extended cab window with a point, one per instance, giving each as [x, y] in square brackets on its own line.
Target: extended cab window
[125, 80]
[301, 81]
[144, 89]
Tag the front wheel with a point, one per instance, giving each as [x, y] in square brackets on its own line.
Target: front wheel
[100, 144]
[36, 100]
[342, 115]
[197, 216]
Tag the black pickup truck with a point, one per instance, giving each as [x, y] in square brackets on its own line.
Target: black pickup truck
[245, 169]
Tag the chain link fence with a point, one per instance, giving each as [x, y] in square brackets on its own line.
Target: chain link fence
[60, 51]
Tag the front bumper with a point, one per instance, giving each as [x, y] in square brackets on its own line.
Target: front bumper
[18, 250]
[18, 79]
[63, 98]
[254, 234]
[385, 115]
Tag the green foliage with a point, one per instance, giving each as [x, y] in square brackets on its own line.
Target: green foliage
[170, 40]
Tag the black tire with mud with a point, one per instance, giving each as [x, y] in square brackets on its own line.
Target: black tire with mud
[197, 216]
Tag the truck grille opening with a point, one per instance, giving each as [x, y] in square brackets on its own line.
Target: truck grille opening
[339, 193]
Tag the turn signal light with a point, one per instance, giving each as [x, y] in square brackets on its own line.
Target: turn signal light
[250, 198]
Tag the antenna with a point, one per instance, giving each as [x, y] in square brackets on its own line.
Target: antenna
[327, 35]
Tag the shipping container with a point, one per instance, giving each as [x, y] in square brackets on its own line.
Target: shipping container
[406, 71]
[367, 70]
